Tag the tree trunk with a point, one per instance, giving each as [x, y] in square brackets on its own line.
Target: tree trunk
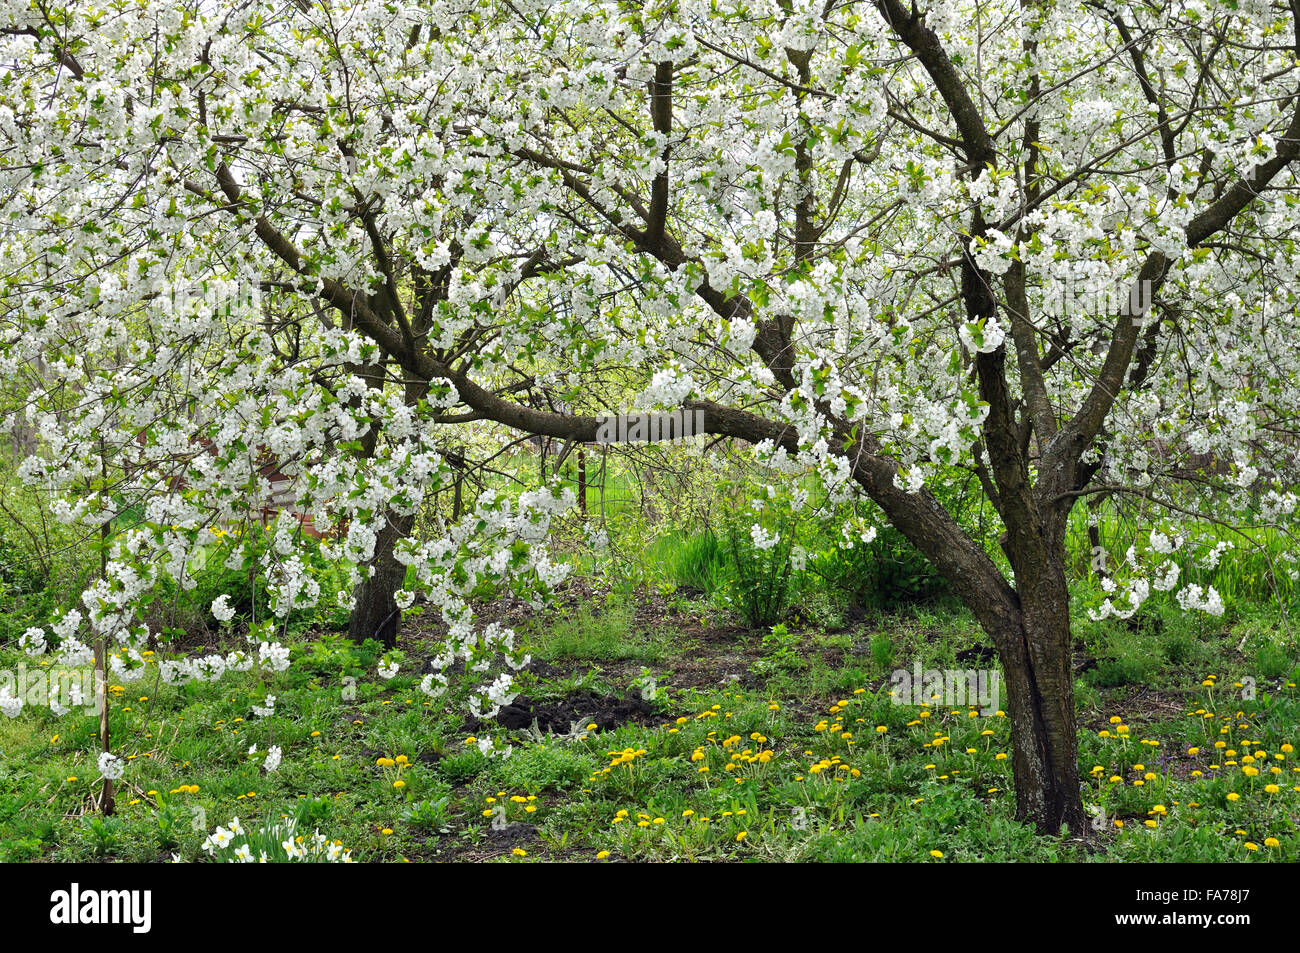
[1029, 624]
[582, 482]
[1038, 671]
[375, 614]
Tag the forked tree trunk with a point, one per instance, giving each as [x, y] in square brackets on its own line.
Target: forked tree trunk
[1028, 623]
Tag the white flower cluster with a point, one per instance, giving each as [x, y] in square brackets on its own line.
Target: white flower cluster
[1167, 577]
[222, 610]
[10, 704]
[273, 656]
[74, 654]
[490, 749]
[984, 336]
[1206, 600]
[763, 538]
[234, 845]
[500, 692]
[433, 684]
[33, 641]
[111, 767]
[668, 388]
[1211, 559]
[1132, 598]
[1163, 544]
[995, 254]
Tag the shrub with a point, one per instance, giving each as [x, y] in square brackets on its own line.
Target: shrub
[761, 585]
[886, 573]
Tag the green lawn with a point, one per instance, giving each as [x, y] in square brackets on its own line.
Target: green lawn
[710, 743]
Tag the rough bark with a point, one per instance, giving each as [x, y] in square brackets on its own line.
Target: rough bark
[1037, 668]
[375, 615]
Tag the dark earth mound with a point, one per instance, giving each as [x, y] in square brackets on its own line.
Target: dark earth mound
[580, 709]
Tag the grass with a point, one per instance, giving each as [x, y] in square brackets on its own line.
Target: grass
[1258, 568]
[718, 742]
[596, 634]
[700, 562]
[790, 760]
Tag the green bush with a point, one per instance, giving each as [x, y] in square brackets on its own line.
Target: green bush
[761, 587]
[1129, 656]
[782, 653]
[886, 573]
[332, 656]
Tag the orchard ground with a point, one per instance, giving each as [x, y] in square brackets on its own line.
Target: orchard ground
[651, 726]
